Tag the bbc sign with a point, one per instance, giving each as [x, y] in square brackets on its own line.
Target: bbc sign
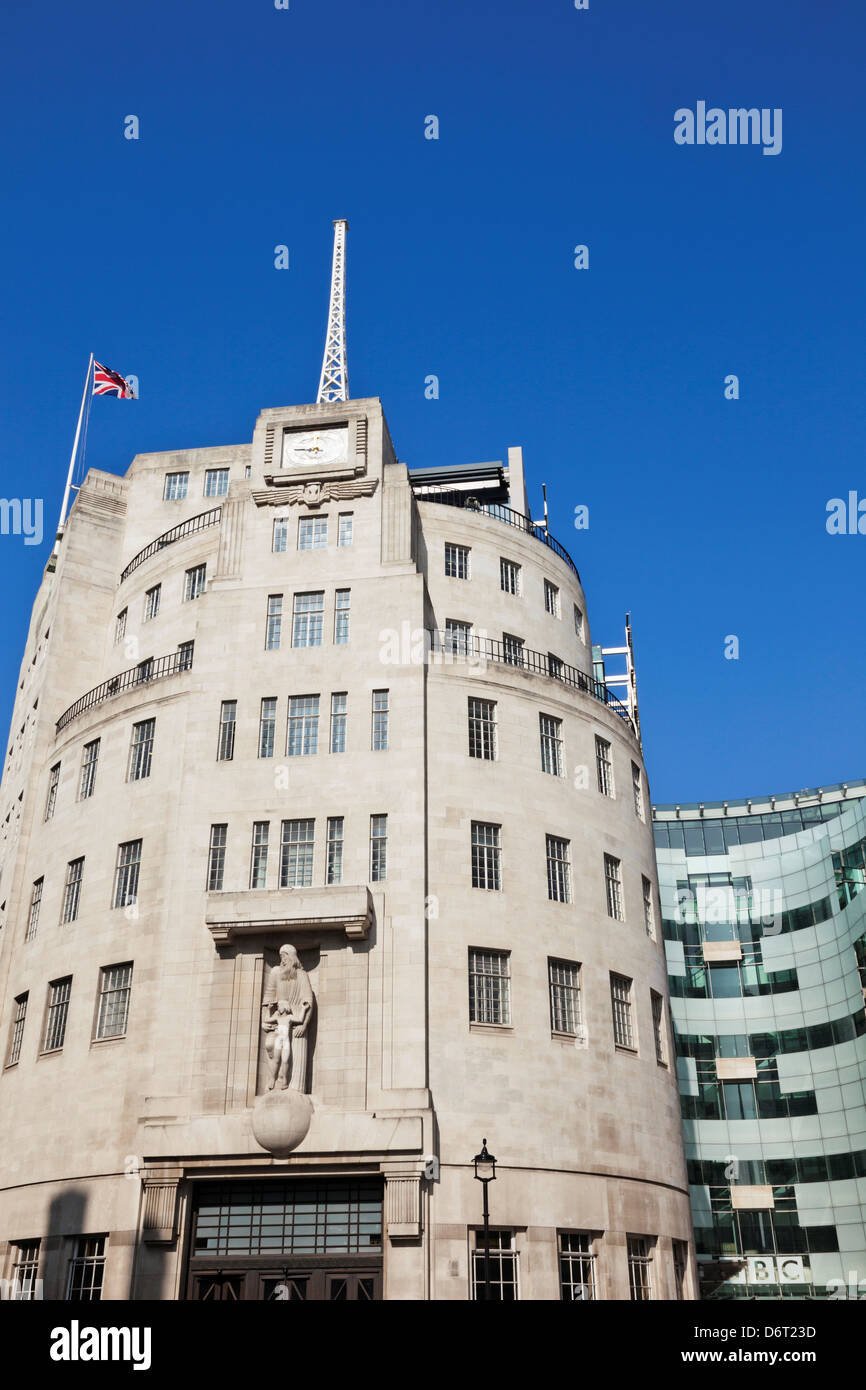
[784, 1269]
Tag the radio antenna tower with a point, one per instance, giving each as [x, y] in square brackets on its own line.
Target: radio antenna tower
[334, 381]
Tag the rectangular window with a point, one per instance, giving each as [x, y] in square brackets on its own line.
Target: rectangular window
[457, 636]
[620, 998]
[341, 616]
[176, 485]
[115, 987]
[640, 1257]
[141, 750]
[603, 766]
[551, 599]
[648, 914]
[456, 561]
[58, 1010]
[86, 1270]
[378, 849]
[194, 583]
[637, 790]
[126, 873]
[339, 715]
[267, 726]
[307, 619]
[486, 856]
[184, 656]
[613, 887]
[564, 981]
[681, 1260]
[550, 730]
[35, 904]
[259, 856]
[482, 729]
[296, 853]
[226, 737]
[25, 1269]
[16, 1032]
[334, 872]
[312, 532]
[502, 1283]
[379, 742]
[151, 602]
[303, 739]
[120, 626]
[554, 666]
[144, 670]
[72, 890]
[489, 986]
[658, 1006]
[345, 528]
[280, 543]
[216, 858]
[578, 1274]
[51, 799]
[216, 482]
[274, 625]
[509, 576]
[578, 622]
[512, 649]
[558, 870]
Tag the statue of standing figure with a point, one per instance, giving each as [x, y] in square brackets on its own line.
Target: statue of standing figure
[287, 1007]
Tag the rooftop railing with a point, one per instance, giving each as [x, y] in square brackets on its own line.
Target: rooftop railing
[177, 533]
[470, 503]
[153, 669]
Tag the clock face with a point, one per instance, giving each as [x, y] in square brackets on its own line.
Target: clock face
[310, 447]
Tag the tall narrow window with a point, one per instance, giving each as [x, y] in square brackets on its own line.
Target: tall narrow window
[141, 750]
[648, 914]
[380, 721]
[259, 855]
[274, 625]
[342, 600]
[126, 873]
[25, 1271]
[216, 482]
[564, 981]
[456, 561]
[550, 730]
[281, 535]
[603, 766]
[509, 576]
[458, 636]
[482, 729]
[578, 1275]
[296, 853]
[307, 619]
[339, 715]
[681, 1259]
[303, 736]
[578, 622]
[267, 726]
[216, 858]
[512, 649]
[658, 1007]
[637, 790]
[502, 1283]
[489, 986]
[35, 904]
[551, 599]
[613, 887]
[346, 527]
[72, 890]
[115, 988]
[334, 871]
[16, 1033]
[640, 1268]
[175, 487]
[57, 1013]
[86, 1270]
[184, 655]
[194, 582]
[151, 602]
[378, 849]
[486, 856]
[554, 666]
[89, 759]
[312, 532]
[120, 626]
[558, 870]
[620, 998]
[51, 799]
[226, 738]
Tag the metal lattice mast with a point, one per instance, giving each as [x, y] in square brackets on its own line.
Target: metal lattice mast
[334, 381]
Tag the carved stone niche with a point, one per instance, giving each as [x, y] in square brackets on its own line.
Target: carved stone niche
[159, 1226]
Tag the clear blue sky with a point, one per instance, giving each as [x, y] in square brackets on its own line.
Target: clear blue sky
[259, 126]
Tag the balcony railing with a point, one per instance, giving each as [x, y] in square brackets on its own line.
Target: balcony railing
[177, 533]
[501, 513]
[471, 650]
[153, 669]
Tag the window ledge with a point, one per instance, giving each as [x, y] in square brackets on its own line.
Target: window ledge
[101, 1042]
[629, 1051]
[491, 1027]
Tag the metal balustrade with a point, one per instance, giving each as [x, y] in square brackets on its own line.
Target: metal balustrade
[153, 669]
[190, 527]
[468, 503]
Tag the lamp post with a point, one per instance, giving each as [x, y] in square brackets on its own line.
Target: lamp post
[485, 1172]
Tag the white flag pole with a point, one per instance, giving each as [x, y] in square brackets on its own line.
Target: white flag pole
[69, 475]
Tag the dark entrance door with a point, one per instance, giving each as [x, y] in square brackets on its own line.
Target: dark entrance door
[210, 1288]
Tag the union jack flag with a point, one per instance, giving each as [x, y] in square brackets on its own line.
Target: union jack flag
[109, 383]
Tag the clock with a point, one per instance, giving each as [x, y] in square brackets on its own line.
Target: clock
[309, 447]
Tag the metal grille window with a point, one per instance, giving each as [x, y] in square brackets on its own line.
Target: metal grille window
[184, 655]
[578, 1274]
[613, 887]
[141, 750]
[303, 726]
[51, 799]
[216, 482]
[378, 849]
[345, 528]
[120, 626]
[274, 626]
[512, 649]
[482, 729]
[456, 561]
[176, 485]
[126, 873]
[342, 600]
[681, 1257]
[267, 726]
[194, 583]
[489, 986]
[620, 996]
[551, 599]
[35, 904]
[558, 870]
[554, 666]
[550, 730]
[300, 1217]
[86, 1270]
[379, 742]
[216, 858]
[55, 1018]
[658, 1007]
[280, 543]
[648, 913]
[565, 1010]
[259, 855]
[312, 532]
[296, 853]
[25, 1269]
[228, 723]
[640, 1256]
[457, 636]
[603, 766]
[578, 622]
[151, 602]
[72, 890]
[16, 1033]
[509, 576]
[307, 619]
[339, 716]
[486, 855]
[334, 873]
[115, 988]
[637, 790]
[502, 1283]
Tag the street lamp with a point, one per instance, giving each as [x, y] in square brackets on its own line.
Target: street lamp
[485, 1172]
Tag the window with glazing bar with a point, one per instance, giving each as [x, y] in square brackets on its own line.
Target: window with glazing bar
[486, 856]
[56, 1014]
[558, 870]
[25, 1271]
[115, 988]
[35, 904]
[345, 528]
[551, 599]
[509, 576]
[603, 766]
[280, 543]
[489, 986]
[303, 735]
[613, 887]
[512, 649]
[216, 858]
[379, 742]
[120, 626]
[312, 532]
[267, 726]
[640, 1268]
[378, 848]
[637, 790]
[16, 1032]
[72, 890]
[216, 482]
[502, 1281]
[274, 624]
[620, 996]
[175, 488]
[296, 853]
[457, 636]
[658, 1008]
[86, 1270]
[564, 982]
[126, 873]
[141, 750]
[51, 799]
[339, 715]
[307, 619]
[228, 723]
[578, 1273]
[151, 602]
[334, 869]
[342, 599]
[259, 855]
[482, 729]
[648, 913]
[195, 580]
[550, 730]
[456, 561]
